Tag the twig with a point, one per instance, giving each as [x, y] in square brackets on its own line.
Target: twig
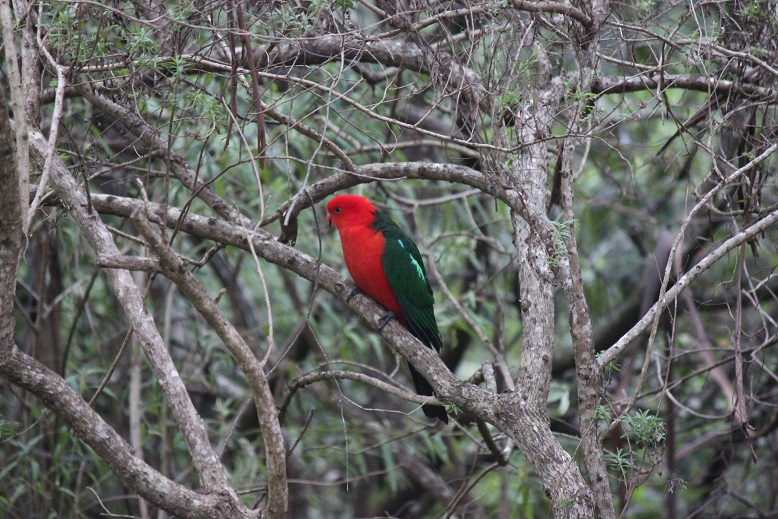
[56, 117]
[311, 378]
[722, 250]
[740, 403]
[177, 271]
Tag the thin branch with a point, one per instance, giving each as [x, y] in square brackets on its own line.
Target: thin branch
[708, 84]
[512, 195]
[177, 271]
[554, 7]
[486, 434]
[580, 319]
[740, 403]
[56, 117]
[112, 368]
[256, 98]
[125, 262]
[707, 262]
[393, 53]
[191, 424]
[530, 7]
[312, 378]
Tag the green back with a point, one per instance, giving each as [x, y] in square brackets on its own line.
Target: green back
[404, 269]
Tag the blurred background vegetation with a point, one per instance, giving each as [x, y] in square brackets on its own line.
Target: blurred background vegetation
[182, 68]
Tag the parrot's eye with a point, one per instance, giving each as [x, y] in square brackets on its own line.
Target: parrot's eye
[337, 209]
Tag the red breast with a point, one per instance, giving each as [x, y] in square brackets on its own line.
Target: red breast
[363, 248]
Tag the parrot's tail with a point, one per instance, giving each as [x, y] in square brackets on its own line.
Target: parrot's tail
[425, 389]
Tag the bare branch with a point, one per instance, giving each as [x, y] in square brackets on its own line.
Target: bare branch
[709, 84]
[128, 263]
[404, 54]
[17, 102]
[127, 292]
[391, 389]
[581, 329]
[58, 396]
[175, 269]
[512, 195]
[56, 117]
[707, 262]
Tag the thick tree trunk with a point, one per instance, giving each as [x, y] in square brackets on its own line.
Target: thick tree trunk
[10, 229]
[537, 266]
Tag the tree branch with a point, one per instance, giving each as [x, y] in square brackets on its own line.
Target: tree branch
[392, 53]
[668, 297]
[56, 117]
[27, 373]
[562, 479]
[177, 271]
[513, 195]
[581, 330]
[523, 421]
[312, 378]
[654, 80]
[191, 424]
[58, 396]
[15, 81]
[11, 214]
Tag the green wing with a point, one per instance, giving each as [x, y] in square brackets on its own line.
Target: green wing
[404, 269]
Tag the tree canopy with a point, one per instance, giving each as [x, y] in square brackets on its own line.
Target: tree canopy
[591, 185]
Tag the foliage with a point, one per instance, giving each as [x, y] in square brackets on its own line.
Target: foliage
[678, 98]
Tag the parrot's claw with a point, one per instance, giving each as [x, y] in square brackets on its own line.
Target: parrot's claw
[354, 291]
[388, 316]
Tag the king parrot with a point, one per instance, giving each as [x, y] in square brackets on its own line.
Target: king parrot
[386, 265]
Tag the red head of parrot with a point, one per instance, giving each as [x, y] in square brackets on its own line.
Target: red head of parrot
[363, 248]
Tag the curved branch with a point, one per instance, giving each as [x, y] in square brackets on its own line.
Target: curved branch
[707, 84]
[722, 250]
[391, 53]
[267, 247]
[555, 8]
[56, 118]
[358, 377]
[521, 5]
[177, 271]
[190, 423]
[58, 396]
[523, 421]
[666, 296]
[511, 195]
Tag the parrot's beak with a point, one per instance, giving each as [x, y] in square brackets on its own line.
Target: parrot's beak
[329, 219]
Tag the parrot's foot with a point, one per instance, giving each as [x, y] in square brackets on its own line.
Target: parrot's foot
[354, 291]
[388, 316]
